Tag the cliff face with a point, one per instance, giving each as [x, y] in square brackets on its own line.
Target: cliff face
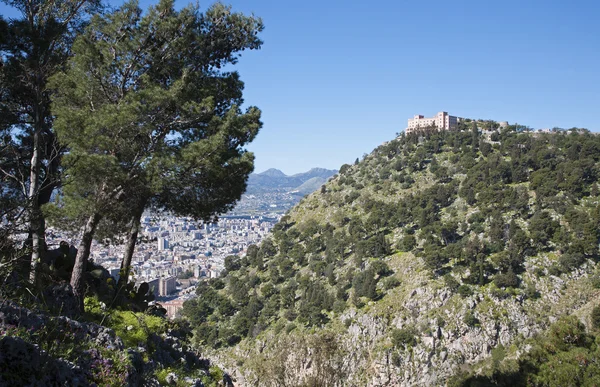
[437, 254]
[357, 347]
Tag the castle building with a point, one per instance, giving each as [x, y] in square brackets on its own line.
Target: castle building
[442, 121]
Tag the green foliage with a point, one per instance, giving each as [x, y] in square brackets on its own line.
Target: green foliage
[595, 316]
[564, 356]
[59, 340]
[569, 261]
[506, 280]
[595, 281]
[405, 337]
[470, 319]
[136, 328]
[365, 284]
[232, 263]
[391, 283]
[451, 283]
[35, 44]
[465, 291]
[150, 117]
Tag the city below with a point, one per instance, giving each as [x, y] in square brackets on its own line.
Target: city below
[173, 254]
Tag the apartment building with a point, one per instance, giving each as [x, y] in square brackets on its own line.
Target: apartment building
[166, 286]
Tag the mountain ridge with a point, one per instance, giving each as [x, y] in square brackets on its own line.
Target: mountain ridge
[275, 180]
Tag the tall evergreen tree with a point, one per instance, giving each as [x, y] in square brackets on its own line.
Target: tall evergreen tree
[151, 118]
[33, 47]
[474, 135]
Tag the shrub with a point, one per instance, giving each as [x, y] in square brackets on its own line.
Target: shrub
[405, 337]
[290, 327]
[570, 261]
[339, 306]
[391, 282]
[506, 280]
[451, 283]
[554, 270]
[471, 320]
[381, 268]
[539, 272]
[499, 293]
[465, 291]
[408, 243]
[595, 281]
[531, 292]
[596, 317]
[135, 328]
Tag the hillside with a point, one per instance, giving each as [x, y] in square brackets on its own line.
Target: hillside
[438, 257]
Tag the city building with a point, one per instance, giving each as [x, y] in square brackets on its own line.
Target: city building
[441, 121]
[166, 286]
[163, 244]
[173, 306]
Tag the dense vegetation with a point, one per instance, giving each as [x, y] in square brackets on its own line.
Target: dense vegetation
[473, 206]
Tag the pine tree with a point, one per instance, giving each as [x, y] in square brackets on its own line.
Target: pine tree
[33, 47]
[150, 119]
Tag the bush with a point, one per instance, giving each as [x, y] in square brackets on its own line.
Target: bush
[570, 261]
[465, 291]
[471, 320]
[381, 268]
[290, 327]
[339, 306]
[596, 317]
[507, 280]
[539, 272]
[408, 243]
[532, 293]
[390, 283]
[135, 328]
[595, 281]
[499, 293]
[554, 270]
[451, 283]
[405, 337]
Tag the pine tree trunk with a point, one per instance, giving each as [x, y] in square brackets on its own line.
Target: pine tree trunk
[128, 254]
[36, 229]
[83, 253]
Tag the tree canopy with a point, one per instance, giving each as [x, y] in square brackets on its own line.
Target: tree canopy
[150, 117]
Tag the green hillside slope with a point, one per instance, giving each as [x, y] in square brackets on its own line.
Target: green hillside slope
[415, 264]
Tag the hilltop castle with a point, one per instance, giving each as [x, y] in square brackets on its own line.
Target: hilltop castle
[442, 121]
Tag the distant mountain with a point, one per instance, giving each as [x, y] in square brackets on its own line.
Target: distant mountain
[315, 172]
[272, 191]
[272, 172]
[273, 180]
[311, 185]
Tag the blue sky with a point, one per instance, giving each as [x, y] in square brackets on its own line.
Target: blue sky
[335, 79]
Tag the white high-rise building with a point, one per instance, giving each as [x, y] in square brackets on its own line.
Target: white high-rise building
[163, 244]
